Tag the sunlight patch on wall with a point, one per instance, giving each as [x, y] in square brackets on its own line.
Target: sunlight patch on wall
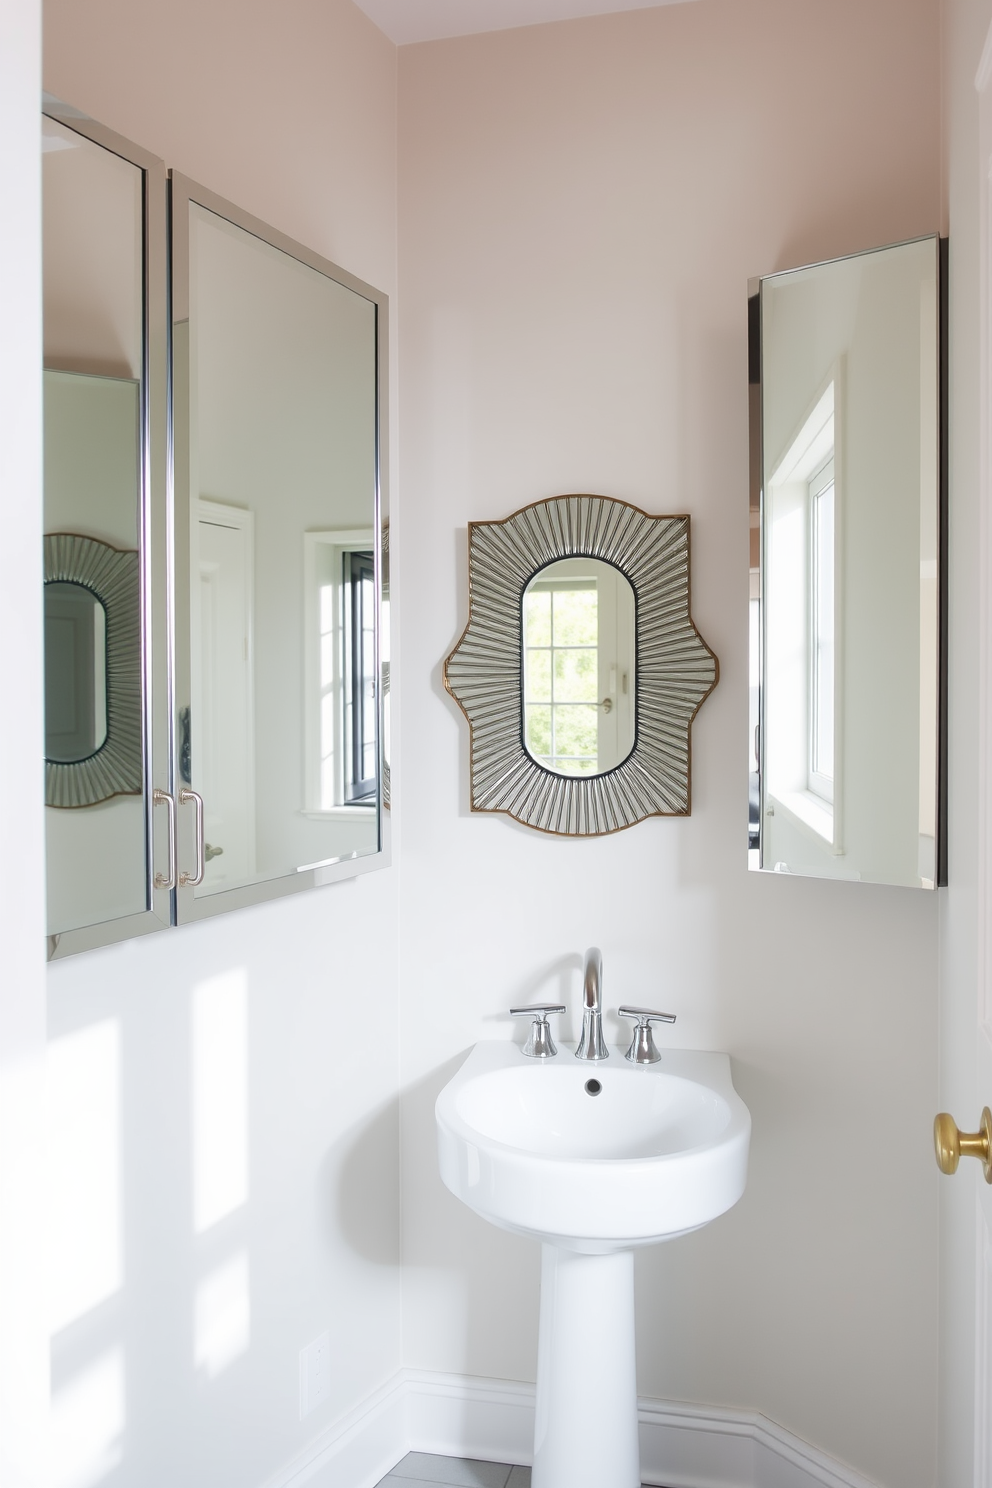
[220, 1097]
[87, 1424]
[84, 1146]
[222, 1316]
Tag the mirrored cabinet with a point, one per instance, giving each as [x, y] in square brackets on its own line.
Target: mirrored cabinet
[214, 569]
[846, 740]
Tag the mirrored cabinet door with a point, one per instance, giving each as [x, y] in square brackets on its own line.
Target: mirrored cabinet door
[845, 744]
[106, 746]
[280, 656]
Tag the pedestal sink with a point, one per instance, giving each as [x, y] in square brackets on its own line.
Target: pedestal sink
[593, 1160]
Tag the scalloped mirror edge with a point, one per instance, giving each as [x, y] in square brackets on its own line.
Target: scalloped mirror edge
[675, 671]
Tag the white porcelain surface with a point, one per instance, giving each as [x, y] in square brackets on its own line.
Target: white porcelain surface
[660, 1150]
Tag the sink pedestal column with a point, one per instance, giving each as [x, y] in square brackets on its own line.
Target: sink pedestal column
[585, 1434]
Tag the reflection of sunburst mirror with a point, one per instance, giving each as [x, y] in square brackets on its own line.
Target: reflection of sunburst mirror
[92, 672]
[580, 670]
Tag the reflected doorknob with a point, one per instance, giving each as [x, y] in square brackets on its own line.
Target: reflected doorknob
[951, 1145]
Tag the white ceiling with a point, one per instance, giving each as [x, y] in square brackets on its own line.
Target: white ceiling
[428, 20]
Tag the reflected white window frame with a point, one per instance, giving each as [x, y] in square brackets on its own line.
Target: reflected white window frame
[788, 680]
[821, 662]
[359, 735]
[614, 697]
[324, 669]
[206, 511]
[553, 587]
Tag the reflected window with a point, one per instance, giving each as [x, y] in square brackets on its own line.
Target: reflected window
[561, 662]
[342, 739]
[821, 632]
[359, 677]
[800, 650]
[579, 647]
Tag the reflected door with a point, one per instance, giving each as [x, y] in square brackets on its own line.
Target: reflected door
[224, 706]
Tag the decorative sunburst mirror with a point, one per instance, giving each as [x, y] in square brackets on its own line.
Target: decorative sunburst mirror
[92, 671]
[580, 670]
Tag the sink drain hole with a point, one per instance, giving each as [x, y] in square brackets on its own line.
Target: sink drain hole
[593, 1087]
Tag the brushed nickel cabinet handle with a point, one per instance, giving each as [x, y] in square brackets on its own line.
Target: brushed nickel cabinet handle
[164, 798]
[185, 797]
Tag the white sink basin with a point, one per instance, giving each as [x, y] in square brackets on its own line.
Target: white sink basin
[592, 1159]
[656, 1151]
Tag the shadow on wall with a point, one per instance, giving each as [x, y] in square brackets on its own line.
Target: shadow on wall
[454, 1241]
[357, 1187]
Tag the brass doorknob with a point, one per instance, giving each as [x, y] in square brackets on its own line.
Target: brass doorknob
[951, 1145]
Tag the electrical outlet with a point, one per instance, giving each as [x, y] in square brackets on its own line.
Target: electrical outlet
[315, 1376]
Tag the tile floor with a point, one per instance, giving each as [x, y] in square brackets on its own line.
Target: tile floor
[422, 1470]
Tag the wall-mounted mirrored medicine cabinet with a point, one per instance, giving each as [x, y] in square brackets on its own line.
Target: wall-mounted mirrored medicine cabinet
[846, 738]
[215, 551]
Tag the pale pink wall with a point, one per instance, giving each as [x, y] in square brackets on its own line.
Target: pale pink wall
[289, 110]
[581, 207]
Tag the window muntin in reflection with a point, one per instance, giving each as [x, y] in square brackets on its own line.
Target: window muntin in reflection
[561, 661]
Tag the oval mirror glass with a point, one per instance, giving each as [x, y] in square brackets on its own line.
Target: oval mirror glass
[579, 643]
[75, 673]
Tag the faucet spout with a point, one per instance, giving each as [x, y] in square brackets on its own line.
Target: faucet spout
[591, 1045]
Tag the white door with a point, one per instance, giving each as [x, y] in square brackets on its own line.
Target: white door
[222, 726]
[966, 1021]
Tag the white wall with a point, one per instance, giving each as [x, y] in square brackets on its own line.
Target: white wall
[289, 111]
[581, 207]
[23, 1362]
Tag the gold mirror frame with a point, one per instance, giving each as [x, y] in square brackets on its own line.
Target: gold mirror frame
[675, 669]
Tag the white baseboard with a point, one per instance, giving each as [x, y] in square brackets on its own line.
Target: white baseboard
[682, 1446]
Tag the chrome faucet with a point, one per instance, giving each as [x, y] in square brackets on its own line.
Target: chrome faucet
[591, 1044]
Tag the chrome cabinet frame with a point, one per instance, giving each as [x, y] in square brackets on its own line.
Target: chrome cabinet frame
[189, 906]
[153, 527]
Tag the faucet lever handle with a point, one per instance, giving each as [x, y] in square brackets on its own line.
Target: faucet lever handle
[643, 1049]
[540, 1044]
